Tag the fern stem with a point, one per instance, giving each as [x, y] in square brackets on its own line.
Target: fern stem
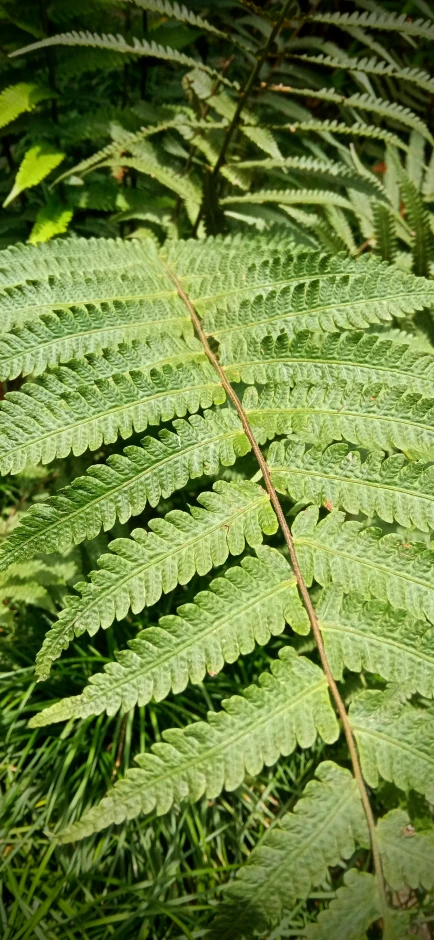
[241, 103]
[274, 499]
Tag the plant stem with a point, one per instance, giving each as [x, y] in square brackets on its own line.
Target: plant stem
[262, 56]
[274, 499]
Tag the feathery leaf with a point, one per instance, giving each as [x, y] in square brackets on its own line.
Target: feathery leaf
[287, 707]
[363, 560]
[140, 569]
[246, 606]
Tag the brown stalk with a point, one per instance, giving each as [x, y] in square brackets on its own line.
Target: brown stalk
[274, 499]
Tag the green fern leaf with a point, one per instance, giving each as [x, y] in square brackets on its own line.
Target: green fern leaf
[247, 606]
[360, 559]
[307, 289]
[356, 907]
[391, 488]
[328, 358]
[119, 44]
[122, 488]
[53, 219]
[17, 99]
[139, 570]
[372, 417]
[321, 169]
[371, 635]
[287, 708]
[419, 220]
[37, 163]
[395, 741]
[168, 9]
[372, 66]
[295, 856]
[20, 263]
[385, 232]
[290, 197]
[366, 102]
[61, 414]
[394, 22]
[407, 856]
[357, 129]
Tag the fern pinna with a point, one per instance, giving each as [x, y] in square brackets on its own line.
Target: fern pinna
[244, 345]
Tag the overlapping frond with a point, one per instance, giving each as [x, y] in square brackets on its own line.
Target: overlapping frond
[363, 560]
[356, 129]
[140, 569]
[323, 359]
[407, 854]
[372, 66]
[139, 47]
[400, 23]
[349, 916]
[395, 741]
[246, 606]
[373, 417]
[61, 414]
[367, 634]
[391, 488]
[306, 290]
[123, 486]
[368, 102]
[294, 857]
[288, 707]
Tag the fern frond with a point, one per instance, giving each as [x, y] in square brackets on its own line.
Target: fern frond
[348, 917]
[418, 218]
[328, 358]
[174, 10]
[247, 606]
[365, 102]
[357, 129]
[394, 22]
[324, 828]
[61, 414]
[22, 263]
[305, 289]
[385, 232]
[78, 331]
[36, 164]
[329, 170]
[395, 741]
[291, 197]
[407, 856]
[139, 570]
[19, 98]
[372, 66]
[287, 707]
[119, 44]
[363, 560]
[368, 634]
[373, 417]
[52, 219]
[391, 488]
[221, 102]
[126, 483]
[184, 186]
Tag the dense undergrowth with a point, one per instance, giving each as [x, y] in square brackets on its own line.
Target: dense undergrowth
[301, 132]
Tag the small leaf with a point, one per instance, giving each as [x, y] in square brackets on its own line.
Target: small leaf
[38, 162]
[52, 219]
